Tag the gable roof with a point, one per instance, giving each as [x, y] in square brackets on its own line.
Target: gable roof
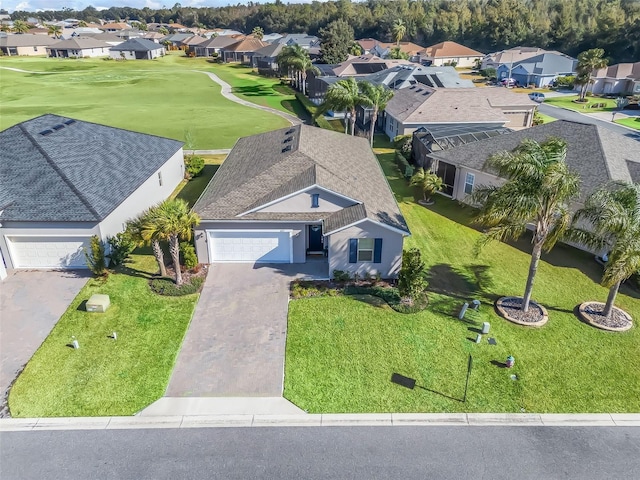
[402, 76]
[422, 104]
[260, 169]
[79, 43]
[221, 41]
[548, 63]
[137, 45]
[194, 40]
[74, 171]
[449, 49]
[619, 71]
[364, 64]
[115, 26]
[302, 39]
[26, 40]
[247, 44]
[270, 50]
[597, 154]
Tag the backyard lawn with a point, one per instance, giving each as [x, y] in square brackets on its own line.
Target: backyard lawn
[104, 376]
[192, 189]
[633, 122]
[342, 351]
[162, 97]
[568, 102]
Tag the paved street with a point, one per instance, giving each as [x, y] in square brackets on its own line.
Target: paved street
[495, 453]
[563, 114]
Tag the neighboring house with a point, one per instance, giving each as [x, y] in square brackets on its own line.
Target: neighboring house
[422, 106]
[305, 41]
[621, 78]
[212, 47]
[226, 32]
[77, 179]
[367, 44]
[450, 53]
[79, 47]
[271, 37]
[175, 40]
[130, 33]
[297, 194]
[412, 50]
[596, 154]
[110, 38]
[540, 70]
[242, 51]
[511, 55]
[115, 27]
[153, 36]
[265, 58]
[81, 32]
[25, 44]
[189, 44]
[137, 49]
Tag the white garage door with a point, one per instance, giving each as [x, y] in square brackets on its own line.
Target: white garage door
[48, 252]
[260, 246]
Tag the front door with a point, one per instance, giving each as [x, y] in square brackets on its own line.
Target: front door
[315, 238]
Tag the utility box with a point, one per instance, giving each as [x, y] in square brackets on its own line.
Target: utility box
[98, 303]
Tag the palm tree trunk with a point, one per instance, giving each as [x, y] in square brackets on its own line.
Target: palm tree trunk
[304, 83]
[346, 125]
[157, 252]
[174, 248]
[608, 308]
[533, 268]
[353, 121]
[374, 119]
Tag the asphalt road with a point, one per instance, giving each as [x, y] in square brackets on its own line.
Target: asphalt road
[562, 114]
[459, 453]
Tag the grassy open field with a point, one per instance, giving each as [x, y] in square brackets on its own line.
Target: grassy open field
[342, 351]
[162, 97]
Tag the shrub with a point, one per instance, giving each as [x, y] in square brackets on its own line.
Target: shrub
[166, 286]
[411, 282]
[403, 165]
[188, 255]
[567, 81]
[489, 73]
[194, 165]
[305, 289]
[120, 247]
[402, 143]
[341, 276]
[96, 257]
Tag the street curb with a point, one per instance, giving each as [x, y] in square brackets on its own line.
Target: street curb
[324, 420]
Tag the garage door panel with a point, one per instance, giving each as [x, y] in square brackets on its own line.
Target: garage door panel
[249, 246]
[49, 252]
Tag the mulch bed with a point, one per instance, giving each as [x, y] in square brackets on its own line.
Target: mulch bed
[591, 312]
[510, 309]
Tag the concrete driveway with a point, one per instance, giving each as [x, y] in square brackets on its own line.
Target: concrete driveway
[235, 344]
[30, 305]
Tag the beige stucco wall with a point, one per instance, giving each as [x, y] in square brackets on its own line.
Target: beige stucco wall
[481, 178]
[328, 202]
[392, 242]
[460, 61]
[32, 51]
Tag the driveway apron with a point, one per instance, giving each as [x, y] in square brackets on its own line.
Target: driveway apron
[235, 344]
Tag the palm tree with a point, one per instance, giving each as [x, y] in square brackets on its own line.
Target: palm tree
[55, 31]
[163, 31]
[428, 182]
[258, 32]
[588, 61]
[143, 232]
[538, 189]
[291, 58]
[82, 24]
[399, 30]
[376, 97]
[303, 65]
[173, 221]
[343, 96]
[610, 220]
[20, 26]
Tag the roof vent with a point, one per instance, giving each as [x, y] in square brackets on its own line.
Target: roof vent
[286, 149]
[287, 140]
[418, 90]
[70, 122]
[46, 132]
[290, 131]
[58, 127]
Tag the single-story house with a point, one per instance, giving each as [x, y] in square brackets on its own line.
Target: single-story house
[115, 27]
[242, 51]
[64, 180]
[79, 47]
[25, 44]
[189, 44]
[540, 70]
[137, 49]
[302, 194]
[621, 78]
[212, 47]
[422, 106]
[110, 38]
[153, 36]
[412, 50]
[597, 154]
[265, 58]
[450, 53]
[175, 41]
[511, 55]
[305, 41]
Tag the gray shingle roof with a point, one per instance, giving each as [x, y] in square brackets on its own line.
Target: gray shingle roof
[137, 45]
[26, 40]
[79, 171]
[260, 169]
[598, 155]
[79, 43]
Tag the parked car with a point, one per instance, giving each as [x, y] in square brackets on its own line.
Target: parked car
[537, 97]
[508, 82]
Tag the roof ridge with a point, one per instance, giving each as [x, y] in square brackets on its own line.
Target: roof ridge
[59, 172]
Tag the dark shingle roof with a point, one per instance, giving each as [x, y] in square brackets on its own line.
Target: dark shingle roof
[55, 168]
[79, 43]
[137, 45]
[261, 169]
[598, 155]
[26, 40]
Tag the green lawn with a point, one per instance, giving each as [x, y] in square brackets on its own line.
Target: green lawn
[341, 352]
[161, 97]
[633, 122]
[568, 102]
[546, 118]
[105, 376]
[192, 189]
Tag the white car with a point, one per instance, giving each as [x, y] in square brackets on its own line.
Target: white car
[537, 97]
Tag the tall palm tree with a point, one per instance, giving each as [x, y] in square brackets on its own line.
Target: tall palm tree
[428, 182]
[343, 96]
[290, 58]
[55, 31]
[144, 232]
[303, 65]
[588, 61]
[610, 219]
[376, 97]
[538, 189]
[82, 24]
[173, 221]
[258, 32]
[20, 26]
[399, 30]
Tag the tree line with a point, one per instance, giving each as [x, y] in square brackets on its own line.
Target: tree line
[570, 26]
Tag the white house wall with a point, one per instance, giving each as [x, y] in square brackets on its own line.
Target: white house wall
[480, 178]
[327, 202]
[148, 194]
[391, 259]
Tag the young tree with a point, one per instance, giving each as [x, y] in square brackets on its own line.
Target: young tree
[428, 182]
[343, 96]
[95, 257]
[610, 220]
[258, 32]
[399, 30]
[173, 221]
[411, 282]
[376, 97]
[588, 61]
[337, 39]
[538, 190]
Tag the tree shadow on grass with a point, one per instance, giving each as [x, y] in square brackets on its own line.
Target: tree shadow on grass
[255, 91]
